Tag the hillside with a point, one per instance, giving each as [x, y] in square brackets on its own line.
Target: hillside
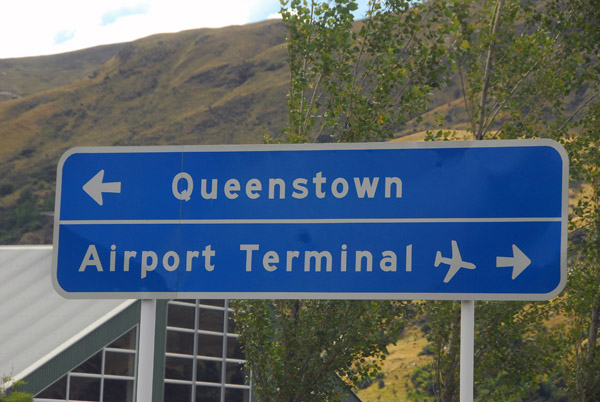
[204, 86]
[207, 86]
[26, 76]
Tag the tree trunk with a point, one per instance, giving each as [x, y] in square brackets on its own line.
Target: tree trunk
[480, 132]
[448, 380]
[590, 379]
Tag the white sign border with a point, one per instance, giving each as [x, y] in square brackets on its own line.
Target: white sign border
[317, 295]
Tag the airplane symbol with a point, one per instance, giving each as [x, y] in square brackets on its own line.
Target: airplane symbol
[455, 262]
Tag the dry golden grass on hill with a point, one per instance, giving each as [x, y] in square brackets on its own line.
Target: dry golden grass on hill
[461, 135]
[206, 86]
[397, 368]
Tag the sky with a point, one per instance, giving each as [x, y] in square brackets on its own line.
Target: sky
[42, 27]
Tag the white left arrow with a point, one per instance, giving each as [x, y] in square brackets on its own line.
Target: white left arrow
[95, 187]
[519, 261]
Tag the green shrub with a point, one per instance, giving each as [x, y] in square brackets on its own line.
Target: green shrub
[422, 382]
[6, 188]
[15, 395]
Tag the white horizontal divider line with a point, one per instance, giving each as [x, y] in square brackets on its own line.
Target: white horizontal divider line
[299, 220]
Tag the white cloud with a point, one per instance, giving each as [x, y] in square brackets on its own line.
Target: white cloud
[111, 16]
[39, 27]
[274, 16]
[64, 36]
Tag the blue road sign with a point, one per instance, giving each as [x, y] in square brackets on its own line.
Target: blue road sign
[484, 220]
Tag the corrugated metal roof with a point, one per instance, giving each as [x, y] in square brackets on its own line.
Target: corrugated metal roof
[35, 322]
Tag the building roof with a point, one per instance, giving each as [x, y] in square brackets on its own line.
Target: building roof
[36, 323]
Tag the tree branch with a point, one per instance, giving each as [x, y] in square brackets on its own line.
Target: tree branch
[488, 68]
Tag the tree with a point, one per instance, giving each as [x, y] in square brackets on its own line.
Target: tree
[518, 63]
[581, 304]
[578, 22]
[9, 391]
[526, 70]
[348, 82]
[510, 353]
[514, 66]
[360, 82]
[300, 350]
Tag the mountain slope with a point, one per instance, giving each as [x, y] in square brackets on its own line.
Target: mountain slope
[25, 76]
[204, 86]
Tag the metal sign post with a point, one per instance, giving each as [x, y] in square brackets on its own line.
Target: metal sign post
[467, 348]
[146, 350]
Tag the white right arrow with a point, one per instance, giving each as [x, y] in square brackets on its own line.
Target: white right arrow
[519, 261]
[96, 186]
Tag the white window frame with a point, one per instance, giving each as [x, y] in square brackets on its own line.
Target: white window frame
[101, 376]
[223, 359]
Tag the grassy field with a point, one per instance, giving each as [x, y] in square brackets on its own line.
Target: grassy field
[405, 356]
[207, 86]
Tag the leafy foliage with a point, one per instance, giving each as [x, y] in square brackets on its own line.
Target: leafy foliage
[579, 21]
[582, 302]
[352, 83]
[348, 83]
[299, 349]
[519, 64]
[422, 384]
[23, 217]
[12, 394]
[514, 67]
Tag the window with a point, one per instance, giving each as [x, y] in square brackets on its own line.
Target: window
[107, 376]
[203, 361]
